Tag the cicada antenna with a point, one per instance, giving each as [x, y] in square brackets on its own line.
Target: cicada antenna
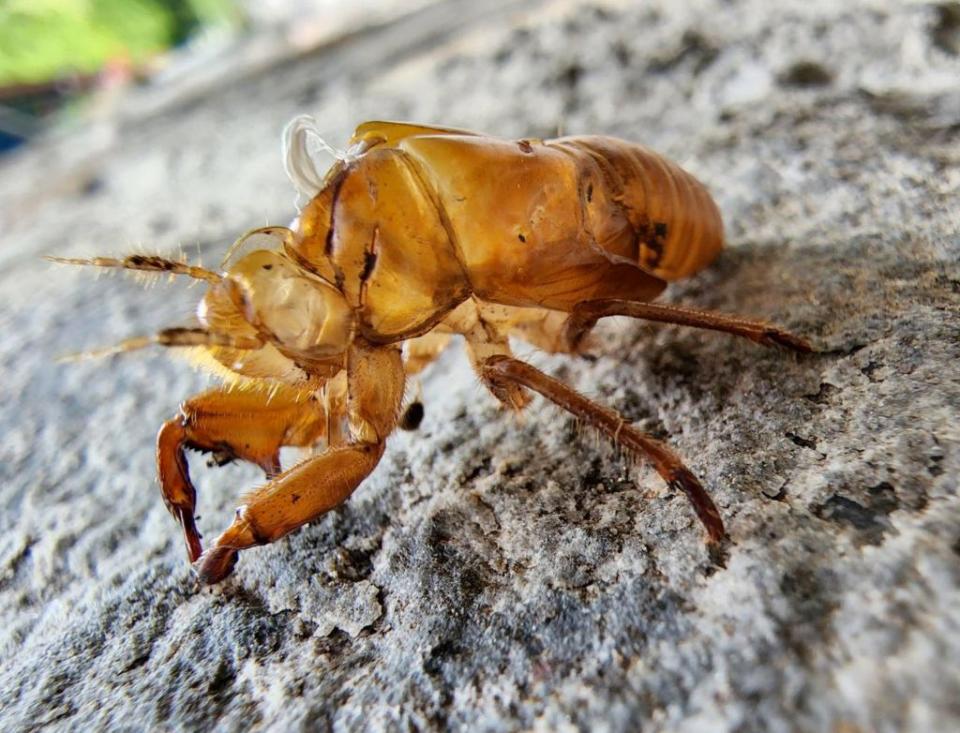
[170, 337]
[143, 263]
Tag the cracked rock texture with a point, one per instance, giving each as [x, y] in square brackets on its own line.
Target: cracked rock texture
[495, 574]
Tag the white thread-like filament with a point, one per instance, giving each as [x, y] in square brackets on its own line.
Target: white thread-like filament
[302, 144]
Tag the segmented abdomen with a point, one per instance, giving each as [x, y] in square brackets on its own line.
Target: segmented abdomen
[645, 208]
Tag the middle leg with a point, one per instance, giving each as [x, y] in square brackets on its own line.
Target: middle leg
[505, 371]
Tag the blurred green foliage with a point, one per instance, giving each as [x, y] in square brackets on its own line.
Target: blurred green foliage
[42, 40]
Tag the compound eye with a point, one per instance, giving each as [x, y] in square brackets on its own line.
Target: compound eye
[293, 310]
[299, 311]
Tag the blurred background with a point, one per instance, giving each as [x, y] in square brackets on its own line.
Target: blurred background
[62, 61]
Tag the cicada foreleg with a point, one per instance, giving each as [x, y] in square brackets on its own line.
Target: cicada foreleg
[307, 491]
[231, 424]
[585, 315]
[504, 371]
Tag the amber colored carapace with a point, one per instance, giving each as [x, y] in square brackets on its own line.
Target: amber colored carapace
[414, 235]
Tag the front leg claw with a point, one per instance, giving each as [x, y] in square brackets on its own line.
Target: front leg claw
[190, 534]
[215, 564]
[178, 493]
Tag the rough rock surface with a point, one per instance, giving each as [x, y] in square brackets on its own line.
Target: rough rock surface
[493, 575]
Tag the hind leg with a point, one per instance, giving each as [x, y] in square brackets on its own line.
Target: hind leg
[585, 316]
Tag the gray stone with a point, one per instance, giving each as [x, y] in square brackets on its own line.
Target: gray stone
[495, 574]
